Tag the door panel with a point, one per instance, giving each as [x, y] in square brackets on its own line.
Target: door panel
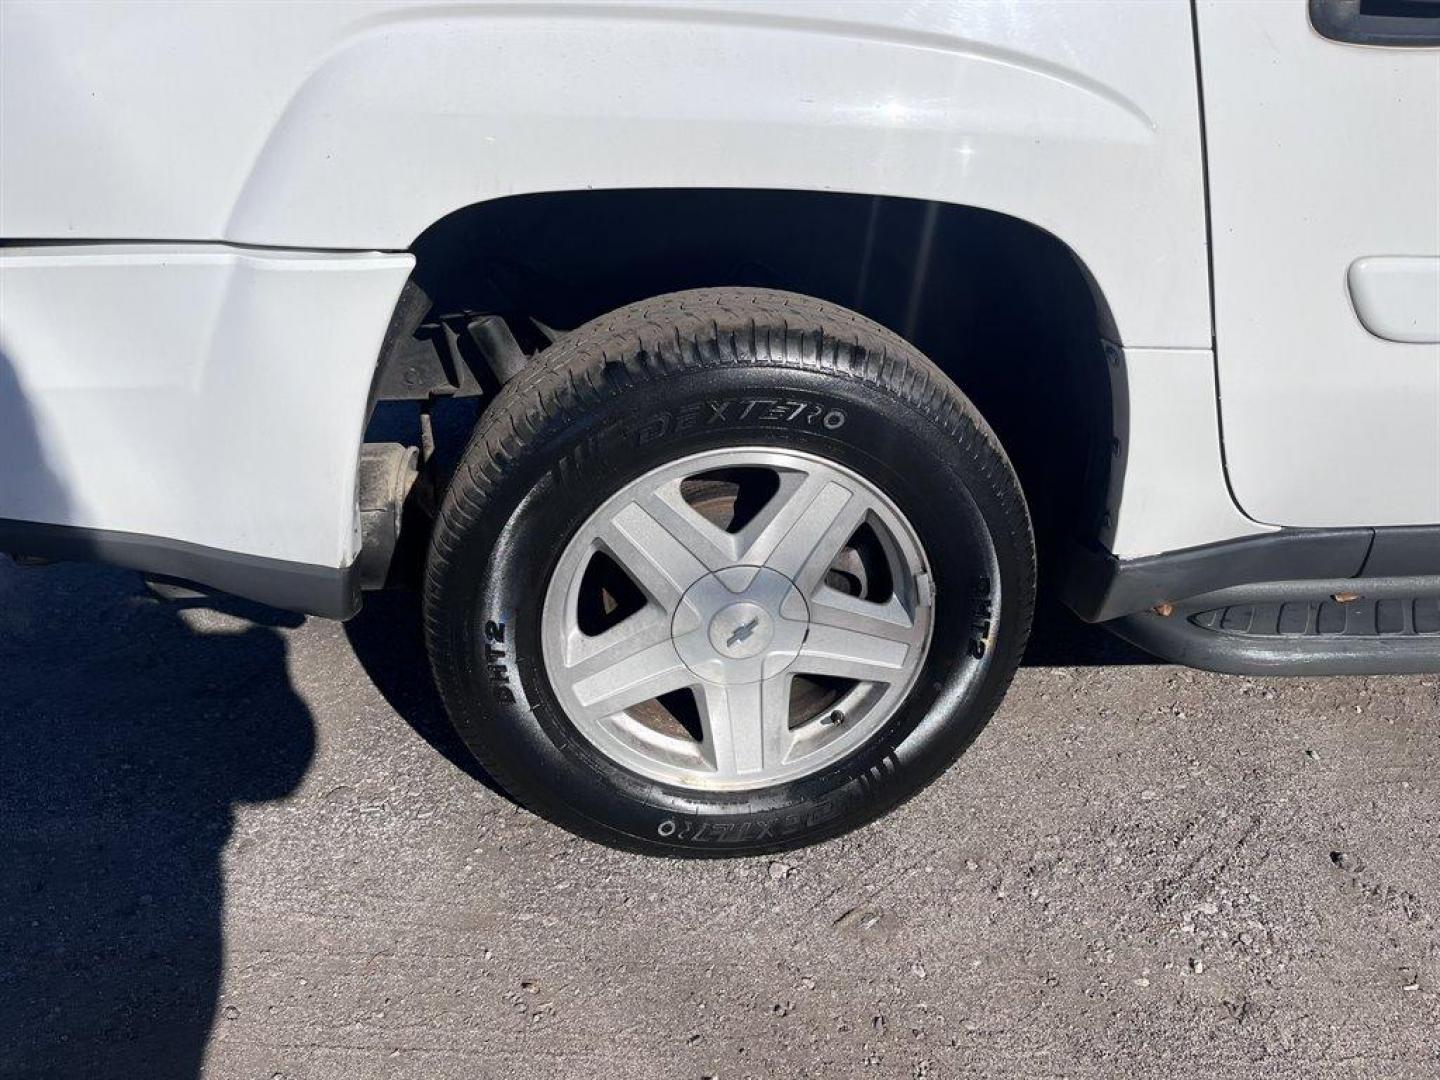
[1322, 156]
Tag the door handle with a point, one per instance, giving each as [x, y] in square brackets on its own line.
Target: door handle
[1412, 23]
[1397, 297]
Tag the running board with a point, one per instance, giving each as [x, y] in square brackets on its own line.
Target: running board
[1345, 626]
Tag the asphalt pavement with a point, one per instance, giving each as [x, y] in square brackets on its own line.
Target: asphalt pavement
[244, 843]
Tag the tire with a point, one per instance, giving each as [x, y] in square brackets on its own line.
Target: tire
[705, 372]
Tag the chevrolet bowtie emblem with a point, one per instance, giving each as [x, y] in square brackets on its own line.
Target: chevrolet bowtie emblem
[742, 632]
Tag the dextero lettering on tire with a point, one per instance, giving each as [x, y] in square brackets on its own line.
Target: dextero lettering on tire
[799, 412]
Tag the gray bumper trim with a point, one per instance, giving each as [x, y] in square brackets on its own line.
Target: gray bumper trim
[331, 592]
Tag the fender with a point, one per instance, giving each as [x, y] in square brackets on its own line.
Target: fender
[422, 112]
[356, 126]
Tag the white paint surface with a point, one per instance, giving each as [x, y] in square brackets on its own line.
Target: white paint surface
[1320, 154]
[1397, 297]
[357, 125]
[214, 393]
[193, 392]
[1168, 480]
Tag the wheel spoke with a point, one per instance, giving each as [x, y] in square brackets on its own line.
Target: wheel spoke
[634, 669]
[852, 654]
[709, 543]
[809, 531]
[746, 726]
[662, 563]
[888, 620]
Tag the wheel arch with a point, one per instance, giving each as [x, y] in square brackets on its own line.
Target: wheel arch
[1005, 308]
[1082, 121]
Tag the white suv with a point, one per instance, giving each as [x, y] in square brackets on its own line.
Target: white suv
[779, 335]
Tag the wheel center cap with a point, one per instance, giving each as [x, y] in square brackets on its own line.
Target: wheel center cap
[741, 630]
[740, 625]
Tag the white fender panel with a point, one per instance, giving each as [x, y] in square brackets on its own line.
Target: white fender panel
[1168, 479]
[357, 125]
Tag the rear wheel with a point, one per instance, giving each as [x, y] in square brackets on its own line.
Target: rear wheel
[726, 571]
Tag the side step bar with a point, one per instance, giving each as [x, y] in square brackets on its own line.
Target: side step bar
[1343, 626]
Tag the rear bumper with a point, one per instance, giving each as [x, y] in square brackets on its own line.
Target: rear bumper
[192, 410]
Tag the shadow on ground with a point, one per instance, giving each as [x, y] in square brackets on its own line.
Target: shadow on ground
[129, 730]
[116, 798]
[1059, 639]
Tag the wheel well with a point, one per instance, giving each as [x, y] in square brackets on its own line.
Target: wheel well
[1003, 307]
